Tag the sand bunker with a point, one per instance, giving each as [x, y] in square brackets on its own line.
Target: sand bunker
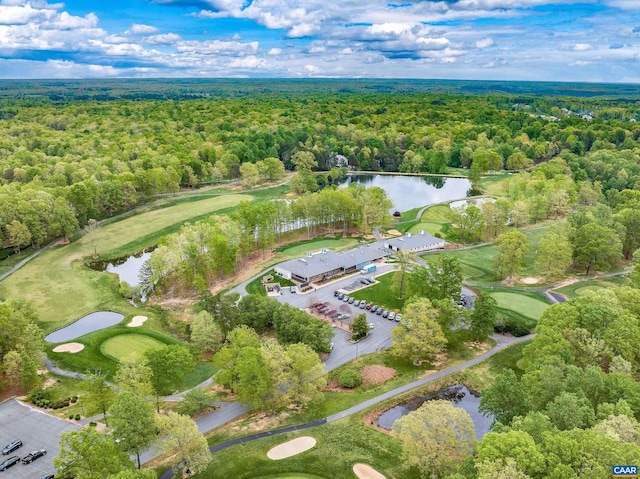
[394, 232]
[69, 348]
[291, 448]
[529, 280]
[366, 472]
[137, 321]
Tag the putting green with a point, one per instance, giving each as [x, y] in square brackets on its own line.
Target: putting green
[521, 304]
[586, 289]
[123, 345]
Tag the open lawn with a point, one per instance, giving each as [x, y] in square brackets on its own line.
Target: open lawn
[381, 293]
[581, 287]
[339, 446]
[123, 345]
[335, 244]
[520, 303]
[256, 286]
[493, 185]
[63, 289]
[434, 220]
[478, 263]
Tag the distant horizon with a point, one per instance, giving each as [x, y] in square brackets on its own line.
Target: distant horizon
[585, 41]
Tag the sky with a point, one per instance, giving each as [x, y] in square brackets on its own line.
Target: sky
[561, 40]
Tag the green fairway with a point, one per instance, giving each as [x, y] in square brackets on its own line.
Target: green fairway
[62, 289]
[478, 263]
[434, 220]
[317, 245]
[582, 287]
[123, 345]
[346, 442]
[520, 303]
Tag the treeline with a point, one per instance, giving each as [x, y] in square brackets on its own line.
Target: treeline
[106, 157]
[574, 411]
[214, 249]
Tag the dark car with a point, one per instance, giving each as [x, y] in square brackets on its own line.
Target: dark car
[379, 311]
[12, 461]
[374, 309]
[336, 292]
[33, 455]
[12, 446]
[368, 306]
[385, 314]
[369, 280]
[47, 476]
[364, 281]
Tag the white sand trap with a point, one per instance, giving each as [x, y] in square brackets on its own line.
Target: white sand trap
[394, 232]
[137, 321]
[366, 472]
[69, 348]
[529, 280]
[291, 448]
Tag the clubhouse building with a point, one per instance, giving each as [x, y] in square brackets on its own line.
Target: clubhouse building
[326, 265]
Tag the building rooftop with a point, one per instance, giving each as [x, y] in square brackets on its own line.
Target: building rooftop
[411, 241]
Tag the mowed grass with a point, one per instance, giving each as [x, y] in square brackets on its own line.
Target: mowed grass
[339, 446]
[62, 289]
[381, 293]
[520, 303]
[123, 345]
[335, 244]
[433, 220]
[582, 287]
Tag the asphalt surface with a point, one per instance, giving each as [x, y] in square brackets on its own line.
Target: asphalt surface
[36, 430]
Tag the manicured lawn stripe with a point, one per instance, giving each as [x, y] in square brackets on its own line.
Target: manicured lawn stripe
[123, 345]
[521, 304]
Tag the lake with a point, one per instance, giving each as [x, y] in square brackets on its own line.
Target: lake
[127, 268]
[408, 192]
[87, 324]
[459, 395]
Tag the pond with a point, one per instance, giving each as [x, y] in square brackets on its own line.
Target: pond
[127, 268]
[458, 394]
[87, 324]
[408, 192]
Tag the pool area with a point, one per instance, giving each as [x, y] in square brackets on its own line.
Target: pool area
[87, 324]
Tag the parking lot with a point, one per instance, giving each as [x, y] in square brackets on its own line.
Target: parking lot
[36, 430]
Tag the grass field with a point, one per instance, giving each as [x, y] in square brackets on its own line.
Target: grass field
[433, 220]
[520, 303]
[478, 264]
[335, 244]
[581, 287]
[62, 289]
[256, 286]
[493, 185]
[381, 293]
[123, 345]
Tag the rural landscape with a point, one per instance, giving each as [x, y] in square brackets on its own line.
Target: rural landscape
[319, 279]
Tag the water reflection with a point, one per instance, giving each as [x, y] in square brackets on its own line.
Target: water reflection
[408, 192]
[459, 395]
[87, 324]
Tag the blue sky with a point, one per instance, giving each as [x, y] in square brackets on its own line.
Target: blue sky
[563, 40]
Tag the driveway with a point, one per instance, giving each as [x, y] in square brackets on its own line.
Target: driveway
[36, 430]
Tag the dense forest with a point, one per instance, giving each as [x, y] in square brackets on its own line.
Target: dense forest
[64, 162]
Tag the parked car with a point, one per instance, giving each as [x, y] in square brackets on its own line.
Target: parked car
[370, 281]
[292, 289]
[392, 315]
[340, 295]
[371, 326]
[336, 292]
[362, 304]
[33, 455]
[12, 461]
[374, 308]
[385, 314]
[364, 281]
[12, 446]
[379, 311]
[47, 476]
[368, 307]
[398, 317]
[351, 300]
[346, 298]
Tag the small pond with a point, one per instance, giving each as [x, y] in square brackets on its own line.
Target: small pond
[458, 394]
[127, 268]
[87, 324]
[408, 192]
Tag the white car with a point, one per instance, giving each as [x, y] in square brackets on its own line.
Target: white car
[398, 317]
[392, 315]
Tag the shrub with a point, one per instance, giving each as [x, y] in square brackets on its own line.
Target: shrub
[437, 234]
[38, 394]
[349, 378]
[71, 416]
[93, 424]
[74, 399]
[77, 417]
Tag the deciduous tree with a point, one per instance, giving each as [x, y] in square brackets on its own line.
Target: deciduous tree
[168, 365]
[132, 422]
[484, 315]
[419, 336]
[511, 248]
[359, 327]
[180, 439]
[100, 391]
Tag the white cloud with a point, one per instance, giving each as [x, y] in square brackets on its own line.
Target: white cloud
[23, 14]
[485, 43]
[217, 46]
[313, 69]
[250, 61]
[582, 47]
[275, 51]
[140, 29]
[163, 39]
